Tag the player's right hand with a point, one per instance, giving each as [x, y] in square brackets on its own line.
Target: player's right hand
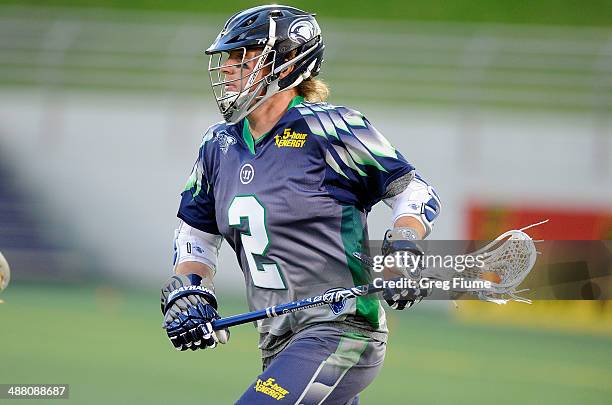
[189, 308]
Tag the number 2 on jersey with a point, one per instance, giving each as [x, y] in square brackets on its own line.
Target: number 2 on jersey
[264, 272]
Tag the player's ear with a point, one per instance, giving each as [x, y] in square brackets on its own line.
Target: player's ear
[286, 72]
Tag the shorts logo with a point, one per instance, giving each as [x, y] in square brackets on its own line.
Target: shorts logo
[225, 140]
[247, 173]
[336, 307]
[301, 31]
[290, 139]
[270, 388]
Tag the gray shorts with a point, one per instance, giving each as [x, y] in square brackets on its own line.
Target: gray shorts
[319, 365]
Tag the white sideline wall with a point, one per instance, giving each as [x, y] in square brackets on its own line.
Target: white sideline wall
[109, 168]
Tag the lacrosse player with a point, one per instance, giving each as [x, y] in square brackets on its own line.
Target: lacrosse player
[288, 180]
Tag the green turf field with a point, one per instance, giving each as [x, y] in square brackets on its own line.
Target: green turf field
[110, 348]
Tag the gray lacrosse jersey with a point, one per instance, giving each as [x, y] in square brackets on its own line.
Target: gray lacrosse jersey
[293, 206]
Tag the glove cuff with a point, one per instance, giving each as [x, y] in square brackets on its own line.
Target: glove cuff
[182, 285]
[401, 239]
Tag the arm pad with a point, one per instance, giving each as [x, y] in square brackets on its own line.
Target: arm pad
[418, 200]
[193, 245]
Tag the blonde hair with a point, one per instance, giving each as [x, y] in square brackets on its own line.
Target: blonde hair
[313, 90]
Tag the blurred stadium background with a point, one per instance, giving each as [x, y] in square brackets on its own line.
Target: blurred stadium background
[505, 108]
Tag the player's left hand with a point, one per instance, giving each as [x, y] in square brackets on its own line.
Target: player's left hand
[397, 240]
[402, 298]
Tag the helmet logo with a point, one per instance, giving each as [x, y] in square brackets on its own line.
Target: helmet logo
[301, 31]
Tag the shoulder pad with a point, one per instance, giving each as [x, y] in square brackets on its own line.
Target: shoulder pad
[346, 125]
[355, 141]
[328, 120]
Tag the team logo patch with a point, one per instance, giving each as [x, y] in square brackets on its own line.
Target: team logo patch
[408, 234]
[336, 307]
[225, 140]
[301, 31]
[247, 173]
[270, 388]
[290, 139]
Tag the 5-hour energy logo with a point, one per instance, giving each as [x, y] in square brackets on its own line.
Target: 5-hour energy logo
[269, 387]
[290, 139]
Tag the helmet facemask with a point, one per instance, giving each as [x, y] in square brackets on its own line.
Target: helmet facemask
[234, 103]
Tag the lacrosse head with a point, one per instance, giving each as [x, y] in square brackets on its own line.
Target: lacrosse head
[506, 262]
[5, 273]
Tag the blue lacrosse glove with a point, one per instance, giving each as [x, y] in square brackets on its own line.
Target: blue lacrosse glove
[403, 240]
[189, 308]
[402, 298]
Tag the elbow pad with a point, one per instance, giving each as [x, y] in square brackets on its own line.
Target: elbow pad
[193, 245]
[418, 200]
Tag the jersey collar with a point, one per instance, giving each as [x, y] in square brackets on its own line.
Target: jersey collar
[246, 132]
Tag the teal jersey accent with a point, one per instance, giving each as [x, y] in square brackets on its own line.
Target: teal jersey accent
[246, 132]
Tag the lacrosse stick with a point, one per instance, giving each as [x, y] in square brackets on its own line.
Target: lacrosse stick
[508, 259]
[510, 256]
[5, 274]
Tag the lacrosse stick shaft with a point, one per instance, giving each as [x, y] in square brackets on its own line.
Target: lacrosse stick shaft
[299, 305]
